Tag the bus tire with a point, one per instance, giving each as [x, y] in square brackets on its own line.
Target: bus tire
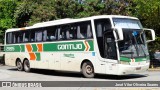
[88, 70]
[26, 65]
[19, 65]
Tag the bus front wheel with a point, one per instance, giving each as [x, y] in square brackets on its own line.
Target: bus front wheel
[26, 66]
[19, 65]
[88, 70]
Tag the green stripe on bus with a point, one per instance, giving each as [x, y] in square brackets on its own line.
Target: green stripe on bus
[125, 59]
[67, 46]
[136, 59]
[34, 47]
[12, 48]
[142, 59]
[63, 46]
[38, 56]
[22, 48]
[91, 45]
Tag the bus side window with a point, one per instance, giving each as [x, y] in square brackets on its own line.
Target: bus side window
[84, 30]
[89, 31]
[68, 34]
[26, 36]
[73, 32]
[38, 35]
[51, 33]
[9, 38]
[64, 32]
[32, 37]
[17, 37]
[62, 35]
[78, 32]
[44, 35]
[14, 37]
[59, 35]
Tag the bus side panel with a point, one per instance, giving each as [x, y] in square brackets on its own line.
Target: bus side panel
[42, 60]
[71, 61]
[8, 59]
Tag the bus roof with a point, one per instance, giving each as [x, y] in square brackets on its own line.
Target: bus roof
[67, 20]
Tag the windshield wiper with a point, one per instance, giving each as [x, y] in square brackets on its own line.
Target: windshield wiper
[131, 45]
[142, 42]
[136, 47]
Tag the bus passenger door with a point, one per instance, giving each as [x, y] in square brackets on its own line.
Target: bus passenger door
[110, 52]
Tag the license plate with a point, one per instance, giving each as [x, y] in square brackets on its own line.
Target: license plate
[138, 68]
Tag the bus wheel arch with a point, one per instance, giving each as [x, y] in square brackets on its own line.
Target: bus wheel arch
[87, 69]
[19, 64]
[26, 65]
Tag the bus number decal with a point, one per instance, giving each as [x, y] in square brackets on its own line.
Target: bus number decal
[10, 49]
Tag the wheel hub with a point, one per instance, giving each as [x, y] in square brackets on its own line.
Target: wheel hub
[18, 65]
[89, 69]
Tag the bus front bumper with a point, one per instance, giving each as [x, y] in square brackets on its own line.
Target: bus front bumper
[129, 69]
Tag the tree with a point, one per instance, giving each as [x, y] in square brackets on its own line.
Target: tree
[118, 7]
[29, 12]
[66, 8]
[149, 14]
[7, 8]
[23, 12]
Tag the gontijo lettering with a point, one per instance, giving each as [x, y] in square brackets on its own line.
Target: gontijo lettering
[69, 46]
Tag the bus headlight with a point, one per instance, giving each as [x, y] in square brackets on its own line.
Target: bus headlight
[123, 62]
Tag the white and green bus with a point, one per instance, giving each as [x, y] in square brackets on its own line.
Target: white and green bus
[105, 44]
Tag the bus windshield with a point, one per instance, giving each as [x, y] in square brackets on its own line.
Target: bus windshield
[133, 44]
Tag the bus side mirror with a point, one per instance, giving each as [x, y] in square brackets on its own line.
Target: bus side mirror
[150, 34]
[119, 34]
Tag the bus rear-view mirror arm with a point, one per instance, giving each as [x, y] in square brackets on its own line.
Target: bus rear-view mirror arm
[119, 34]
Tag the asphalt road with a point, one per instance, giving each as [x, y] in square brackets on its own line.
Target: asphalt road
[11, 74]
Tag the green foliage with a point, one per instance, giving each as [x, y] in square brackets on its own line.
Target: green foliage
[148, 11]
[42, 11]
[89, 8]
[29, 12]
[23, 12]
[65, 8]
[6, 13]
[7, 8]
[121, 7]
